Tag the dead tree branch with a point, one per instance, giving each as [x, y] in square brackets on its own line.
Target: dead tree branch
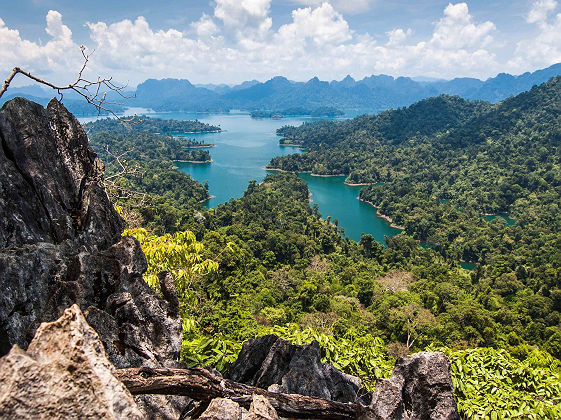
[90, 90]
[112, 182]
[201, 385]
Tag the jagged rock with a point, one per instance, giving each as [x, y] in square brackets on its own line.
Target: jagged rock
[272, 363]
[261, 409]
[65, 373]
[60, 244]
[225, 409]
[420, 388]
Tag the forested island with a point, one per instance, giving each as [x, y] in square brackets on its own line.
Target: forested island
[325, 111]
[438, 166]
[152, 125]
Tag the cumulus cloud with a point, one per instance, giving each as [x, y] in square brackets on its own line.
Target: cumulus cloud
[205, 27]
[397, 36]
[544, 49]
[238, 42]
[249, 19]
[322, 25]
[539, 11]
[52, 59]
[343, 6]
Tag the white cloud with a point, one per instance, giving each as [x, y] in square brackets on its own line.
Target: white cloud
[205, 27]
[344, 6]
[397, 36]
[544, 49]
[52, 59]
[539, 11]
[322, 25]
[238, 43]
[457, 30]
[249, 19]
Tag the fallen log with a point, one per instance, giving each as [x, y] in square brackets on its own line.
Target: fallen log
[202, 385]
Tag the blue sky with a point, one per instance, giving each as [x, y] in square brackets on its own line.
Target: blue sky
[228, 41]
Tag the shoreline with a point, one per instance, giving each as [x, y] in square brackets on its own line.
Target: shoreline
[206, 146]
[326, 176]
[299, 146]
[206, 199]
[302, 172]
[193, 161]
[200, 132]
[362, 184]
[286, 172]
[382, 216]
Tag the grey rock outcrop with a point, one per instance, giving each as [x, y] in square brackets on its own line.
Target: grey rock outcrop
[65, 373]
[420, 388]
[272, 363]
[60, 244]
[225, 409]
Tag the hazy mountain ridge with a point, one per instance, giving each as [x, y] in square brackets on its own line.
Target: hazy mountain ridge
[371, 94]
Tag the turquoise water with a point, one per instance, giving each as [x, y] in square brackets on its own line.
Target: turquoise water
[339, 201]
[508, 220]
[244, 148]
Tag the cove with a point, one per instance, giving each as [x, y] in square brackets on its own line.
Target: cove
[339, 201]
[243, 150]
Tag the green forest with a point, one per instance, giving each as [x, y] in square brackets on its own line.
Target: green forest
[268, 262]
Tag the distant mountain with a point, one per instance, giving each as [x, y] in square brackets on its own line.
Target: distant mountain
[177, 95]
[372, 94]
[497, 88]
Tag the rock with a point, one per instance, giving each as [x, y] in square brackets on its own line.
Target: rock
[224, 409]
[60, 244]
[261, 409]
[272, 363]
[65, 373]
[420, 388]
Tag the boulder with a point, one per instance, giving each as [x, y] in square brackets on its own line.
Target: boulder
[272, 363]
[226, 409]
[420, 388]
[60, 244]
[65, 373]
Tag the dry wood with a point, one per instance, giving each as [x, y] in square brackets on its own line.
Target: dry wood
[201, 385]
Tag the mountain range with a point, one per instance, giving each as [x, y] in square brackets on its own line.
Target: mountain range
[371, 94]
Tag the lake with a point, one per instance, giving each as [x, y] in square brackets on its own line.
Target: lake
[244, 148]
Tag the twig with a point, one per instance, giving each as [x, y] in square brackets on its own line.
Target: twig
[88, 89]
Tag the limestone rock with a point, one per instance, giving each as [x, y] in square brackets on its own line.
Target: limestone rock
[60, 244]
[65, 373]
[224, 409]
[261, 409]
[420, 388]
[272, 363]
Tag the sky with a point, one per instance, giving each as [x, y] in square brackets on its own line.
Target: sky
[230, 41]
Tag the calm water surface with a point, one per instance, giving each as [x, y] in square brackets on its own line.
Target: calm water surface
[244, 148]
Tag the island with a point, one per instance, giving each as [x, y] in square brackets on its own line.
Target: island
[324, 111]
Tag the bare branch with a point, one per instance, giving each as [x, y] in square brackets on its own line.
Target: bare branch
[119, 192]
[202, 385]
[89, 90]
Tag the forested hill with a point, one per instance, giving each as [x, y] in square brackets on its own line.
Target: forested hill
[424, 118]
[527, 121]
[438, 182]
